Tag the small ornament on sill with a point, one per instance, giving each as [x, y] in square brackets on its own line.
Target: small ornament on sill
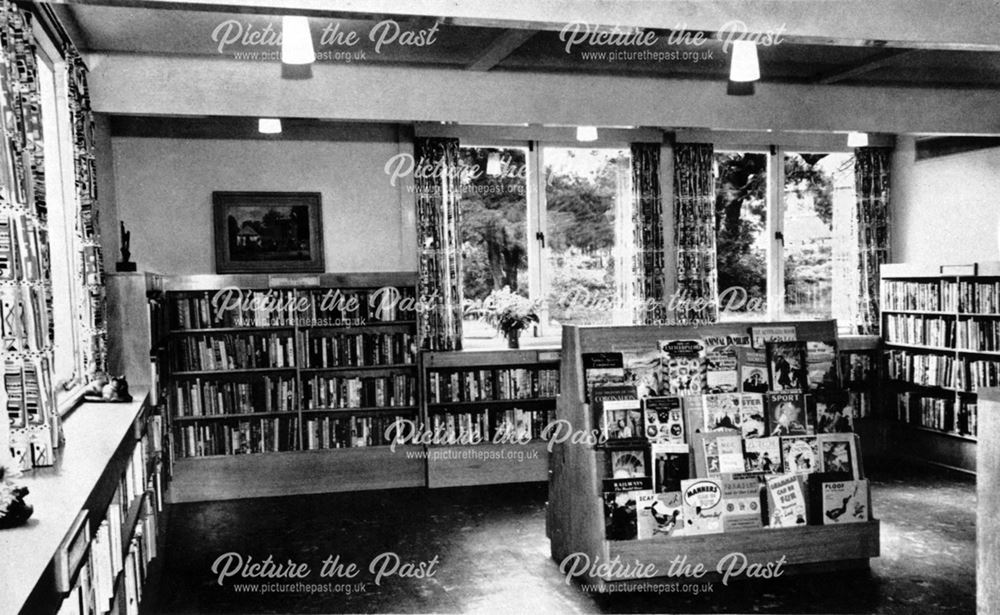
[107, 389]
[14, 511]
[126, 240]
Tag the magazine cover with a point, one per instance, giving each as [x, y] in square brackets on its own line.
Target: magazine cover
[682, 367]
[718, 453]
[642, 370]
[786, 362]
[702, 505]
[752, 370]
[620, 518]
[838, 454]
[760, 336]
[832, 411]
[822, 365]
[628, 471]
[664, 418]
[617, 411]
[601, 368]
[645, 520]
[667, 513]
[845, 502]
[787, 414]
[741, 504]
[762, 455]
[753, 417]
[722, 412]
[671, 465]
[721, 365]
[786, 502]
[800, 454]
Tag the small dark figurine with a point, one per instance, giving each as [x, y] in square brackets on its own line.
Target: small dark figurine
[13, 510]
[105, 389]
[126, 241]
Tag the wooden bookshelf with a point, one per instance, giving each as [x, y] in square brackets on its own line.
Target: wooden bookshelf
[930, 315]
[489, 461]
[575, 522]
[297, 400]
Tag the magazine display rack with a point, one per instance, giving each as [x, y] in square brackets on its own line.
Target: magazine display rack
[492, 394]
[576, 522]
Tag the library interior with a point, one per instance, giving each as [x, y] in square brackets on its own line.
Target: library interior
[311, 306]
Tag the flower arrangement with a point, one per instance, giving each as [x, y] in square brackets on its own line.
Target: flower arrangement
[13, 510]
[510, 313]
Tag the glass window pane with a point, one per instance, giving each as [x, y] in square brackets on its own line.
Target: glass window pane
[493, 222]
[741, 238]
[587, 194]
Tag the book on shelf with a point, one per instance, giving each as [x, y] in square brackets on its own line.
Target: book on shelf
[839, 455]
[642, 370]
[762, 455]
[666, 511]
[601, 368]
[753, 416]
[722, 412]
[352, 431]
[830, 411]
[741, 501]
[717, 453]
[931, 296]
[671, 465]
[328, 350]
[617, 412]
[234, 351]
[664, 419]
[920, 330]
[787, 414]
[752, 370]
[492, 384]
[682, 367]
[622, 516]
[822, 366]
[835, 500]
[800, 454]
[787, 367]
[702, 503]
[760, 337]
[721, 362]
[786, 500]
[238, 437]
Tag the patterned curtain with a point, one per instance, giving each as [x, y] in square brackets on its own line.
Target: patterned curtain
[90, 266]
[694, 234]
[648, 246]
[871, 177]
[436, 183]
[26, 326]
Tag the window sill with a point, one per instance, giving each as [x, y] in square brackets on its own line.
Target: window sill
[67, 400]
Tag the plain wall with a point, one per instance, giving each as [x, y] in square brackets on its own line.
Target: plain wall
[946, 210]
[163, 192]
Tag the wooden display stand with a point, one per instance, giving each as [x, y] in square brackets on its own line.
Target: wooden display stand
[575, 522]
[486, 463]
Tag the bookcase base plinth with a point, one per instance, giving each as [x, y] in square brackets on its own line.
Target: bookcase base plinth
[296, 473]
[487, 464]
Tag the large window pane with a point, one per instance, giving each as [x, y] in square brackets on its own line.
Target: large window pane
[586, 192]
[811, 183]
[741, 238]
[493, 214]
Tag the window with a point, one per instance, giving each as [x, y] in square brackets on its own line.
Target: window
[741, 234]
[64, 243]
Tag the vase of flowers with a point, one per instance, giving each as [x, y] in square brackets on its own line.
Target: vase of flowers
[511, 314]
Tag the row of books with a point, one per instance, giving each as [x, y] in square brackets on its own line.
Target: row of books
[494, 425]
[922, 330]
[937, 413]
[348, 431]
[258, 435]
[981, 335]
[942, 371]
[979, 297]
[232, 307]
[936, 296]
[359, 349]
[213, 398]
[360, 392]
[491, 384]
[228, 352]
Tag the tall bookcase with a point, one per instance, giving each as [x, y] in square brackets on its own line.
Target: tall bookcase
[284, 385]
[482, 405]
[941, 330]
[576, 522]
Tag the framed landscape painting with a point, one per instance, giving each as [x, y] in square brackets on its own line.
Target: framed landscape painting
[263, 232]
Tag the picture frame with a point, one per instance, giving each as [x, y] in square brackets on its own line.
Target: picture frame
[268, 232]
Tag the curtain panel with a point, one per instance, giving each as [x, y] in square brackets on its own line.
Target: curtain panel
[871, 177]
[26, 325]
[694, 234]
[437, 187]
[648, 298]
[90, 266]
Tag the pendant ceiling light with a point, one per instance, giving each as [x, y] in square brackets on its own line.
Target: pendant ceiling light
[744, 69]
[586, 133]
[857, 139]
[297, 53]
[269, 126]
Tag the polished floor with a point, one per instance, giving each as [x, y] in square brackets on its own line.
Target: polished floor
[492, 557]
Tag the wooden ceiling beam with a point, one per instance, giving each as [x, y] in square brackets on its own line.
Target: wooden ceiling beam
[501, 47]
[877, 61]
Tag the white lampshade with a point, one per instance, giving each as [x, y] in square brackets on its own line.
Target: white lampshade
[744, 65]
[296, 41]
[586, 133]
[269, 126]
[493, 164]
[857, 139]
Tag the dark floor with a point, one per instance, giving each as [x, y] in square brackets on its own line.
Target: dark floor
[493, 556]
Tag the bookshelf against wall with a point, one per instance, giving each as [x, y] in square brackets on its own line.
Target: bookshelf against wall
[286, 384]
[670, 525]
[488, 411]
[941, 327]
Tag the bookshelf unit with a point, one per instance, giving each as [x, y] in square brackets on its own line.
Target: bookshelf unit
[941, 331]
[288, 387]
[486, 397]
[576, 524]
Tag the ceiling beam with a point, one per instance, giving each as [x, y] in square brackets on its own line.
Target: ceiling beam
[875, 62]
[928, 24]
[501, 47]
